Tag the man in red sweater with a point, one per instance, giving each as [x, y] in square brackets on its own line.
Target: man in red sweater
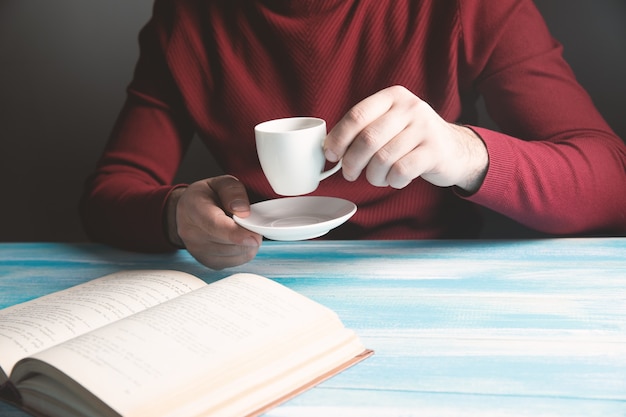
[397, 82]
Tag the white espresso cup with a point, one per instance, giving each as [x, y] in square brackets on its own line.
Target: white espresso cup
[291, 154]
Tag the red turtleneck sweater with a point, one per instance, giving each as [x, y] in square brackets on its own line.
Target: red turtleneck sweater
[217, 68]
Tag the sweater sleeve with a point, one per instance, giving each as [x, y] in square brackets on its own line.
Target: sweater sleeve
[124, 200]
[557, 166]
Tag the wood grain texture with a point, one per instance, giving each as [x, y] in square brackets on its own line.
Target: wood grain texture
[460, 328]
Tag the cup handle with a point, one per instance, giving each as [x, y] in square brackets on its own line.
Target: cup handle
[331, 171]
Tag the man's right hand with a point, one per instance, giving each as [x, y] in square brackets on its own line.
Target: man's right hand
[198, 218]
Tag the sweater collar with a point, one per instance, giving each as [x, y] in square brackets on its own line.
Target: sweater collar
[301, 7]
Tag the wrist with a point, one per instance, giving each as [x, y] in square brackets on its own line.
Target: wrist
[477, 160]
[171, 224]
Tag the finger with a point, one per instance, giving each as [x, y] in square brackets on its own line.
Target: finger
[373, 142]
[387, 156]
[232, 195]
[409, 167]
[356, 119]
[201, 218]
[222, 243]
[225, 256]
[234, 199]
[221, 229]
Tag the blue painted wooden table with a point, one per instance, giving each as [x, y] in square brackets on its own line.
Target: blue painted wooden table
[460, 328]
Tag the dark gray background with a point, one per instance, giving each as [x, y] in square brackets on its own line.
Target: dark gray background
[64, 66]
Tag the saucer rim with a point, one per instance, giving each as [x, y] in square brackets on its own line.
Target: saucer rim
[300, 232]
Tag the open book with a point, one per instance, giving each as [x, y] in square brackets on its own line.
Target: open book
[164, 343]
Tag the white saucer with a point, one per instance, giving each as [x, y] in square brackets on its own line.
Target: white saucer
[297, 218]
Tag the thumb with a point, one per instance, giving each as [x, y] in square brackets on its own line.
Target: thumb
[232, 195]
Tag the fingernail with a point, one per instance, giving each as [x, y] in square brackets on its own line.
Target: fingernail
[330, 155]
[239, 205]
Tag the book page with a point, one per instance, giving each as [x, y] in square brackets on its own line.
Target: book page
[35, 325]
[206, 337]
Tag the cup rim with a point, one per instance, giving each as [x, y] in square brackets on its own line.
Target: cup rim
[289, 124]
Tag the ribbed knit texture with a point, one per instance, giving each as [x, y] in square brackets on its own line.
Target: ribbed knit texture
[221, 67]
